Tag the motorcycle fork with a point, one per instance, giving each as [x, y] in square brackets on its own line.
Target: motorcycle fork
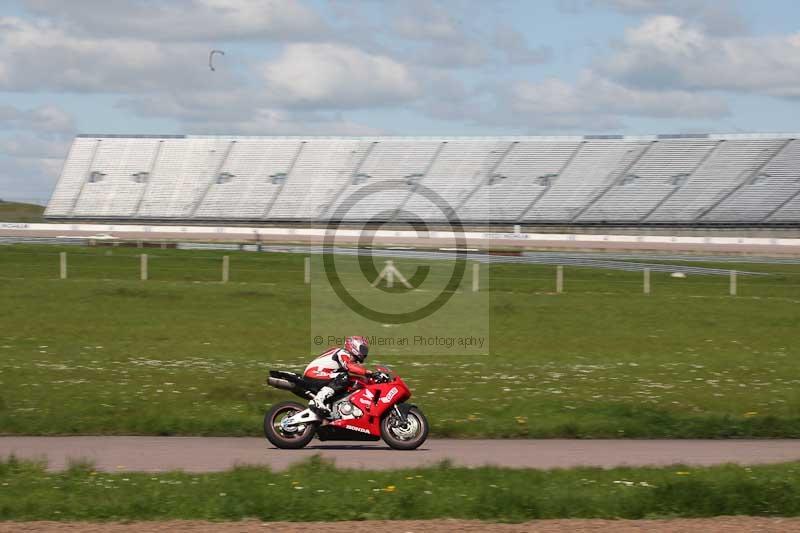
[399, 414]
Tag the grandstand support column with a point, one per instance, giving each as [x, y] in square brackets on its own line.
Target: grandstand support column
[334, 201]
[85, 178]
[213, 179]
[646, 281]
[559, 279]
[424, 173]
[676, 188]
[226, 268]
[289, 171]
[733, 285]
[307, 270]
[62, 259]
[780, 206]
[614, 180]
[488, 177]
[476, 277]
[143, 267]
[783, 204]
[150, 172]
[546, 188]
[748, 177]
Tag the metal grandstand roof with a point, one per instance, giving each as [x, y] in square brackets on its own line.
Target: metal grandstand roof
[648, 137]
[127, 136]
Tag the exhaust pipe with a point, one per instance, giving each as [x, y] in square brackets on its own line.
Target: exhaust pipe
[280, 383]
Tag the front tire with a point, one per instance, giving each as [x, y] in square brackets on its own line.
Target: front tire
[408, 436]
[284, 439]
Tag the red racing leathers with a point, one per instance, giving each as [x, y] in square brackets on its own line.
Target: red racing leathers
[331, 363]
[332, 370]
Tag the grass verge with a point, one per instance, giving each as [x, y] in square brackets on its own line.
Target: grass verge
[181, 354]
[316, 490]
[20, 212]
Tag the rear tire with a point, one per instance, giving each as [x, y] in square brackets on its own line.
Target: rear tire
[282, 439]
[409, 437]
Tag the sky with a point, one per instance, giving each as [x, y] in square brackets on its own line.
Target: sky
[369, 67]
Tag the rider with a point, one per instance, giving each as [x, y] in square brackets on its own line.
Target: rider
[334, 368]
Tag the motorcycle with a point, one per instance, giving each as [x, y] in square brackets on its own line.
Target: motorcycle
[369, 409]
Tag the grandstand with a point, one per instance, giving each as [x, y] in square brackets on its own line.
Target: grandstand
[679, 180]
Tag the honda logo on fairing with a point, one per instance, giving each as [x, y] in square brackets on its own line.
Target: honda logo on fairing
[355, 428]
[389, 395]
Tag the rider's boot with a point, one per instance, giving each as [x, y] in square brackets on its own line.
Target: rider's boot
[317, 404]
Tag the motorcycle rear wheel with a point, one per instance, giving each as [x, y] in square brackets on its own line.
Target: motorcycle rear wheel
[279, 437]
[409, 436]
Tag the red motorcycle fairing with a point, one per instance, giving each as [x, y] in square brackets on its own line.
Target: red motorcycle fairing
[373, 399]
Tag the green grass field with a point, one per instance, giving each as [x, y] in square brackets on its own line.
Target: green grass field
[316, 490]
[103, 352]
[19, 212]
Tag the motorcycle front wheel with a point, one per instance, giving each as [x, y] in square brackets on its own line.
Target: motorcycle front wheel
[277, 435]
[408, 435]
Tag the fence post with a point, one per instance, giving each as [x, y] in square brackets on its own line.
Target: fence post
[733, 283]
[559, 279]
[143, 266]
[306, 270]
[647, 281]
[226, 268]
[63, 265]
[476, 277]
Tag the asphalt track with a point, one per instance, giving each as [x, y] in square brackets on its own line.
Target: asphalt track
[214, 454]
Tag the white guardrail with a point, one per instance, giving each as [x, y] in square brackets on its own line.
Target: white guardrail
[155, 230]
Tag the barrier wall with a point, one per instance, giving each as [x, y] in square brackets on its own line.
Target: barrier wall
[75, 230]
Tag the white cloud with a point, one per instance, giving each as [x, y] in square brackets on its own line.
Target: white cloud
[41, 56]
[43, 119]
[186, 19]
[336, 76]
[455, 35]
[34, 147]
[596, 103]
[32, 150]
[425, 20]
[241, 113]
[513, 45]
[668, 52]
[267, 121]
[463, 54]
[28, 178]
[716, 16]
